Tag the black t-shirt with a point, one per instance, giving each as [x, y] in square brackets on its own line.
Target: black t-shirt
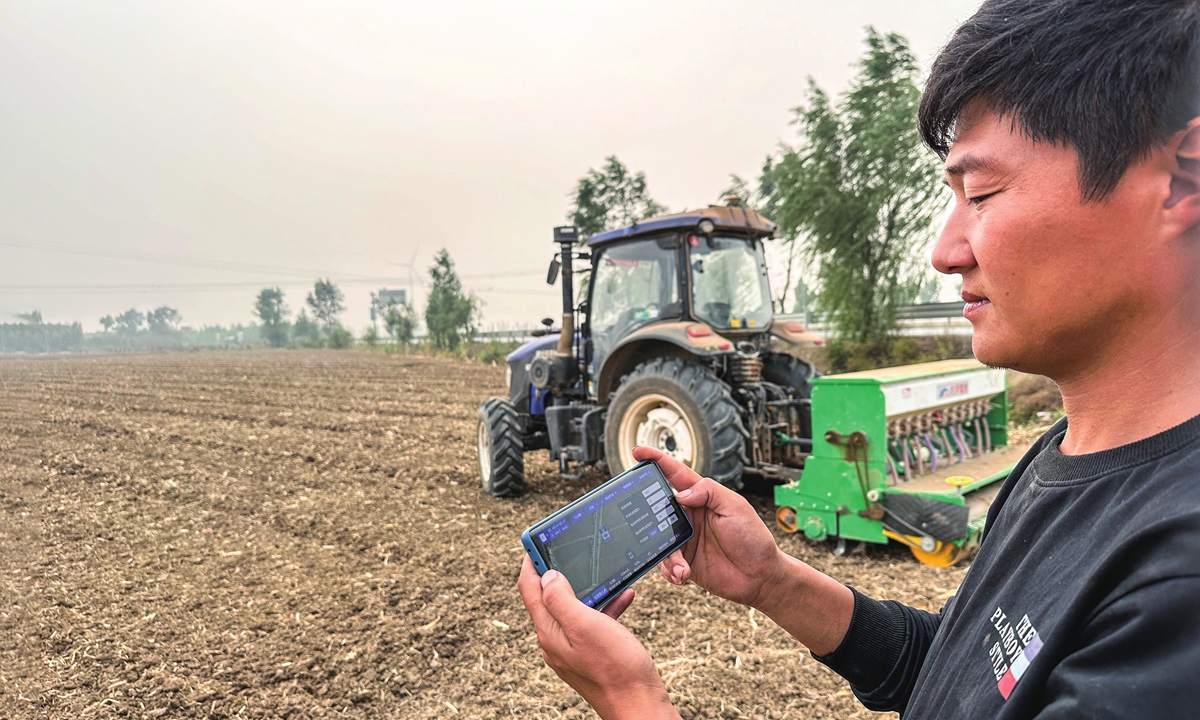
[1084, 600]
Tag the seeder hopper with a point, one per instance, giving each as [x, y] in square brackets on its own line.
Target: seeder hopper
[914, 454]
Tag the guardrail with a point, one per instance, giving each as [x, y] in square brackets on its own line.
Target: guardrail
[912, 320]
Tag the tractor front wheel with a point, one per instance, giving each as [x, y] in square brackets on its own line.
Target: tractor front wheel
[501, 449]
[682, 409]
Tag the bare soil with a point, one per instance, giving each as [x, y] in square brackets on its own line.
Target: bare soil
[297, 534]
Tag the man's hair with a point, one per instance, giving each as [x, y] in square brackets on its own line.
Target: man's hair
[1113, 79]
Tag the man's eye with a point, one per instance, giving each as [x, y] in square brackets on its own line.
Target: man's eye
[979, 198]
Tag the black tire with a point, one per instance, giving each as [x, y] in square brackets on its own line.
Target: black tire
[719, 442]
[788, 371]
[501, 449]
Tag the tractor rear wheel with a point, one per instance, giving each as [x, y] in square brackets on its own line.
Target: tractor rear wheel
[682, 409]
[788, 371]
[501, 449]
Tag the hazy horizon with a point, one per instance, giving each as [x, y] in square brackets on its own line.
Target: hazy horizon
[189, 154]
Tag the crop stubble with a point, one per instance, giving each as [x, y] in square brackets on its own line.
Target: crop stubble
[302, 534]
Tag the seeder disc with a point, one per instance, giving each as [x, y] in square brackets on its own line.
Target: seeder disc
[785, 517]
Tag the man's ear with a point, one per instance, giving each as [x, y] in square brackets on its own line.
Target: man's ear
[1184, 200]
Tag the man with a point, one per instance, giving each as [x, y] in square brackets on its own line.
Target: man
[1071, 134]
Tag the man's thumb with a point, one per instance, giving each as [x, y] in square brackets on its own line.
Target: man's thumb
[558, 597]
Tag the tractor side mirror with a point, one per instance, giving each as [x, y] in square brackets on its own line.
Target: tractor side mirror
[548, 323]
[552, 271]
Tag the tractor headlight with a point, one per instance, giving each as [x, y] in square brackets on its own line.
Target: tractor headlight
[706, 227]
[508, 378]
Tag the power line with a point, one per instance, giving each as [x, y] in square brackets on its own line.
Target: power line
[155, 287]
[156, 258]
[160, 258]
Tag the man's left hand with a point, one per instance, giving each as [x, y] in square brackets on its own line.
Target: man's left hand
[591, 651]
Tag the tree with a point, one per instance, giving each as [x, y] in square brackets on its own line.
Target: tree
[400, 322]
[270, 308]
[449, 314]
[306, 332]
[130, 321]
[33, 317]
[107, 322]
[163, 320]
[611, 198]
[326, 301]
[860, 191]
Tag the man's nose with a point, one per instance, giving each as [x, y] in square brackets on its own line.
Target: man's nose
[953, 254]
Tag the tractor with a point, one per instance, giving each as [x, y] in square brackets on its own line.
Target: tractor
[671, 343]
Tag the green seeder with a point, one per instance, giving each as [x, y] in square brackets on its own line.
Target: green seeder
[913, 454]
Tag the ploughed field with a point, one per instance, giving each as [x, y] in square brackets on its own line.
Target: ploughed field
[302, 534]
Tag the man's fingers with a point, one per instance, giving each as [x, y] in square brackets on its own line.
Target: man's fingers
[530, 586]
[619, 605]
[676, 569]
[679, 475]
[712, 495]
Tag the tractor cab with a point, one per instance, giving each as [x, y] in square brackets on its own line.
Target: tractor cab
[717, 279]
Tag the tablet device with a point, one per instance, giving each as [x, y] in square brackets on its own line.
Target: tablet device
[607, 539]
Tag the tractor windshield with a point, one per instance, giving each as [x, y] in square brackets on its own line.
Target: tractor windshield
[729, 283]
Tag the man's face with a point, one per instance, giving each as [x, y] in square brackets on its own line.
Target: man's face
[1051, 282]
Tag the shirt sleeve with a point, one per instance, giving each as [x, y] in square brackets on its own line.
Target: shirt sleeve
[1139, 657]
[883, 651]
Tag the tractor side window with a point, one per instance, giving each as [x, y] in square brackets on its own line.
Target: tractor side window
[633, 284]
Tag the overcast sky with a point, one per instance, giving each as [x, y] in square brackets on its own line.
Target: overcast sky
[189, 153]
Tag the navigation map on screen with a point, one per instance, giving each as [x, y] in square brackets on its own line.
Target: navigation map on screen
[613, 535]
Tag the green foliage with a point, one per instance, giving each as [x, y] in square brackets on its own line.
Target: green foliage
[270, 308]
[40, 337]
[306, 332]
[861, 191]
[370, 336]
[495, 352]
[449, 313]
[611, 198]
[33, 317]
[327, 303]
[163, 320]
[400, 322]
[840, 356]
[340, 338]
[130, 321]
[1033, 399]
[108, 321]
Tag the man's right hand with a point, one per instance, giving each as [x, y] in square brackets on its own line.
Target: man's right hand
[732, 553]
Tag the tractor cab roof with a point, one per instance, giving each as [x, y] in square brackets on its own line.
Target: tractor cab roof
[723, 217]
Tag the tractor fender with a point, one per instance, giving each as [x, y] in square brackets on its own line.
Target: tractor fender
[794, 333]
[667, 339]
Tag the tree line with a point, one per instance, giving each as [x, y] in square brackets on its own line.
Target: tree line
[450, 314]
[854, 198]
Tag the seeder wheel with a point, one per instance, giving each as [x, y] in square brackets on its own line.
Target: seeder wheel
[944, 555]
[785, 518]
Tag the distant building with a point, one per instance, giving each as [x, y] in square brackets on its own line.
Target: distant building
[387, 297]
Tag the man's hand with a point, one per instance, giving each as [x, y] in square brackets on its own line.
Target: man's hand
[732, 553]
[591, 651]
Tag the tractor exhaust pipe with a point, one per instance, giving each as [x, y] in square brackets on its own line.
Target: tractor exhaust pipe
[566, 237]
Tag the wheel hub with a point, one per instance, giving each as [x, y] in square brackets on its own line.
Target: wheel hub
[657, 421]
